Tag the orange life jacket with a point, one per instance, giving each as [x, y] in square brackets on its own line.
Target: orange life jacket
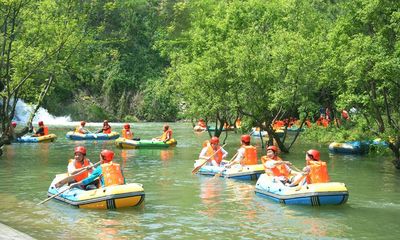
[250, 155]
[202, 124]
[112, 174]
[318, 172]
[280, 170]
[107, 130]
[78, 165]
[126, 133]
[217, 157]
[264, 159]
[45, 130]
[165, 135]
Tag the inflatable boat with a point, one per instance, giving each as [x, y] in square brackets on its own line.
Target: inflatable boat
[353, 147]
[331, 193]
[112, 197]
[248, 172]
[91, 136]
[46, 138]
[132, 144]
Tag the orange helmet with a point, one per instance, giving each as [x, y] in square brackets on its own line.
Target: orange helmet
[40, 123]
[214, 140]
[273, 148]
[80, 149]
[314, 154]
[83, 123]
[107, 155]
[14, 124]
[245, 138]
[127, 126]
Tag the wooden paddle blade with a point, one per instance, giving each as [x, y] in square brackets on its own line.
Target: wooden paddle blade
[196, 169]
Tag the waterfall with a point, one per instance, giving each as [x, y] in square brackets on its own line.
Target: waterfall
[23, 111]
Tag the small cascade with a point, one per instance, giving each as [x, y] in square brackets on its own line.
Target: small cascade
[23, 111]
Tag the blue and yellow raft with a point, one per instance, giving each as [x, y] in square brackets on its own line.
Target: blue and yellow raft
[248, 172]
[29, 139]
[331, 193]
[112, 197]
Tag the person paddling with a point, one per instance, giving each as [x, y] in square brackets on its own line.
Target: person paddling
[108, 172]
[275, 166]
[246, 155]
[41, 131]
[81, 128]
[106, 128]
[166, 136]
[212, 153]
[77, 165]
[127, 132]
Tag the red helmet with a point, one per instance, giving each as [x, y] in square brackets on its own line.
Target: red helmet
[80, 149]
[14, 124]
[127, 126]
[83, 123]
[245, 138]
[214, 140]
[314, 154]
[40, 123]
[107, 155]
[273, 148]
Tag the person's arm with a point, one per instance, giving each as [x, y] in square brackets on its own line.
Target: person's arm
[203, 153]
[224, 153]
[238, 158]
[40, 131]
[95, 174]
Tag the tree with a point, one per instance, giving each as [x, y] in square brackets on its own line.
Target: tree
[365, 42]
[39, 37]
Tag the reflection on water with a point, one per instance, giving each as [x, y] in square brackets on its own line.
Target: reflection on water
[181, 205]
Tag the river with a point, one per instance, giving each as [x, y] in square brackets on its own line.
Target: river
[179, 205]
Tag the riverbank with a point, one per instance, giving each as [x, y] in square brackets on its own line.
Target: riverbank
[7, 232]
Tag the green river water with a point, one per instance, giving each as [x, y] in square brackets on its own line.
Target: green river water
[179, 205]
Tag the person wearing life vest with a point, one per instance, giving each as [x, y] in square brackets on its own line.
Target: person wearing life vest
[213, 152]
[126, 131]
[275, 166]
[201, 123]
[81, 128]
[246, 155]
[166, 136]
[79, 162]
[345, 115]
[106, 128]
[41, 131]
[317, 171]
[108, 172]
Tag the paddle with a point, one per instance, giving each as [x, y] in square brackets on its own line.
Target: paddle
[70, 178]
[220, 173]
[196, 169]
[55, 195]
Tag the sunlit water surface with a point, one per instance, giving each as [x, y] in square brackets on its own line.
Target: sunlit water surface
[179, 205]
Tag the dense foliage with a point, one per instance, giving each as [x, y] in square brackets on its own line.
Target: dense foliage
[163, 60]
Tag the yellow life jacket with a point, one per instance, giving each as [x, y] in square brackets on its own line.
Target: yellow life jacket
[127, 134]
[165, 135]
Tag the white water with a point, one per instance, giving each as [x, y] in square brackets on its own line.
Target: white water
[23, 111]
